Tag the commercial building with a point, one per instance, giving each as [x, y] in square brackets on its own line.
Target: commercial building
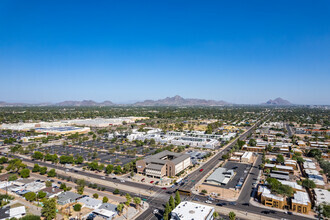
[246, 157]
[195, 142]
[104, 122]
[63, 130]
[190, 210]
[221, 176]
[165, 163]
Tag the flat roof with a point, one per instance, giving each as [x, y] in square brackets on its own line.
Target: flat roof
[190, 210]
[301, 198]
[220, 175]
[322, 196]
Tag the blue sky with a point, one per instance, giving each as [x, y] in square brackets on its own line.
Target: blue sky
[238, 51]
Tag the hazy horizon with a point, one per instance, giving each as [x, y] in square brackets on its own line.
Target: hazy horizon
[239, 52]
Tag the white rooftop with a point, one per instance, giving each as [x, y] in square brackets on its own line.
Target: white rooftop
[190, 210]
[267, 193]
[104, 212]
[293, 185]
[322, 196]
[301, 198]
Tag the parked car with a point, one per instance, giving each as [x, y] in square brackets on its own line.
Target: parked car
[232, 203]
[164, 188]
[122, 181]
[103, 177]
[201, 170]
[208, 202]
[143, 180]
[152, 181]
[155, 211]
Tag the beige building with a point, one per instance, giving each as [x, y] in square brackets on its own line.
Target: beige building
[165, 163]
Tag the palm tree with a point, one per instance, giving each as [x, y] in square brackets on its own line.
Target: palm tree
[137, 201]
[120, 208]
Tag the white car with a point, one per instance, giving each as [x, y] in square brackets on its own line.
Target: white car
[155, 211]
[122, 181]
[208, 201]
[103, 177]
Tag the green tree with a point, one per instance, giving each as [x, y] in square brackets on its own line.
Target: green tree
[215, 215]
[80, 186]
[279, 158]
[308, 184]
[79, 160]
[105, 199]
[15, 165]
[41, 194]
[51, 173]
[30, 217]
[167, 211]
[177, 198]
[36, 168]
[137, 201]
[43, 170]
[25, 173]
[77, 207]
[37, 155]
[326, 211]
[120, 208]
[49, 209]
[30, 196]
[49, 184]
[116, 191]
[172, 203]
[232, 215]
[109, 169]
[95, 195]
[12, 177]
[128, 199]
[252, 142]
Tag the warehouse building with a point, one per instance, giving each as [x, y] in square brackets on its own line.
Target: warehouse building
[165, 163]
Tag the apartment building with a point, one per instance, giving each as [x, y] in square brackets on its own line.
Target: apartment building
[269, 199]
[301, 203]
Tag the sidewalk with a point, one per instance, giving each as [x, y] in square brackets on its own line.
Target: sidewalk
[102, 182]
[144, 206]
[257, 204]
[87, 189]
[239, 214]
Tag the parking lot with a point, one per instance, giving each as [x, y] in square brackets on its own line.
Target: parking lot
[241, 170]
[102, 149]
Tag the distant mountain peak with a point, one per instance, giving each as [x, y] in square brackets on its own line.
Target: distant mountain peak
[180, 101]
[278, 101]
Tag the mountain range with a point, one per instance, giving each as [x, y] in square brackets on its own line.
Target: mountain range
[179, 101]
[168, 101]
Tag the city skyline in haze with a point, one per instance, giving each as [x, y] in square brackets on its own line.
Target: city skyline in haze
[240, 52]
